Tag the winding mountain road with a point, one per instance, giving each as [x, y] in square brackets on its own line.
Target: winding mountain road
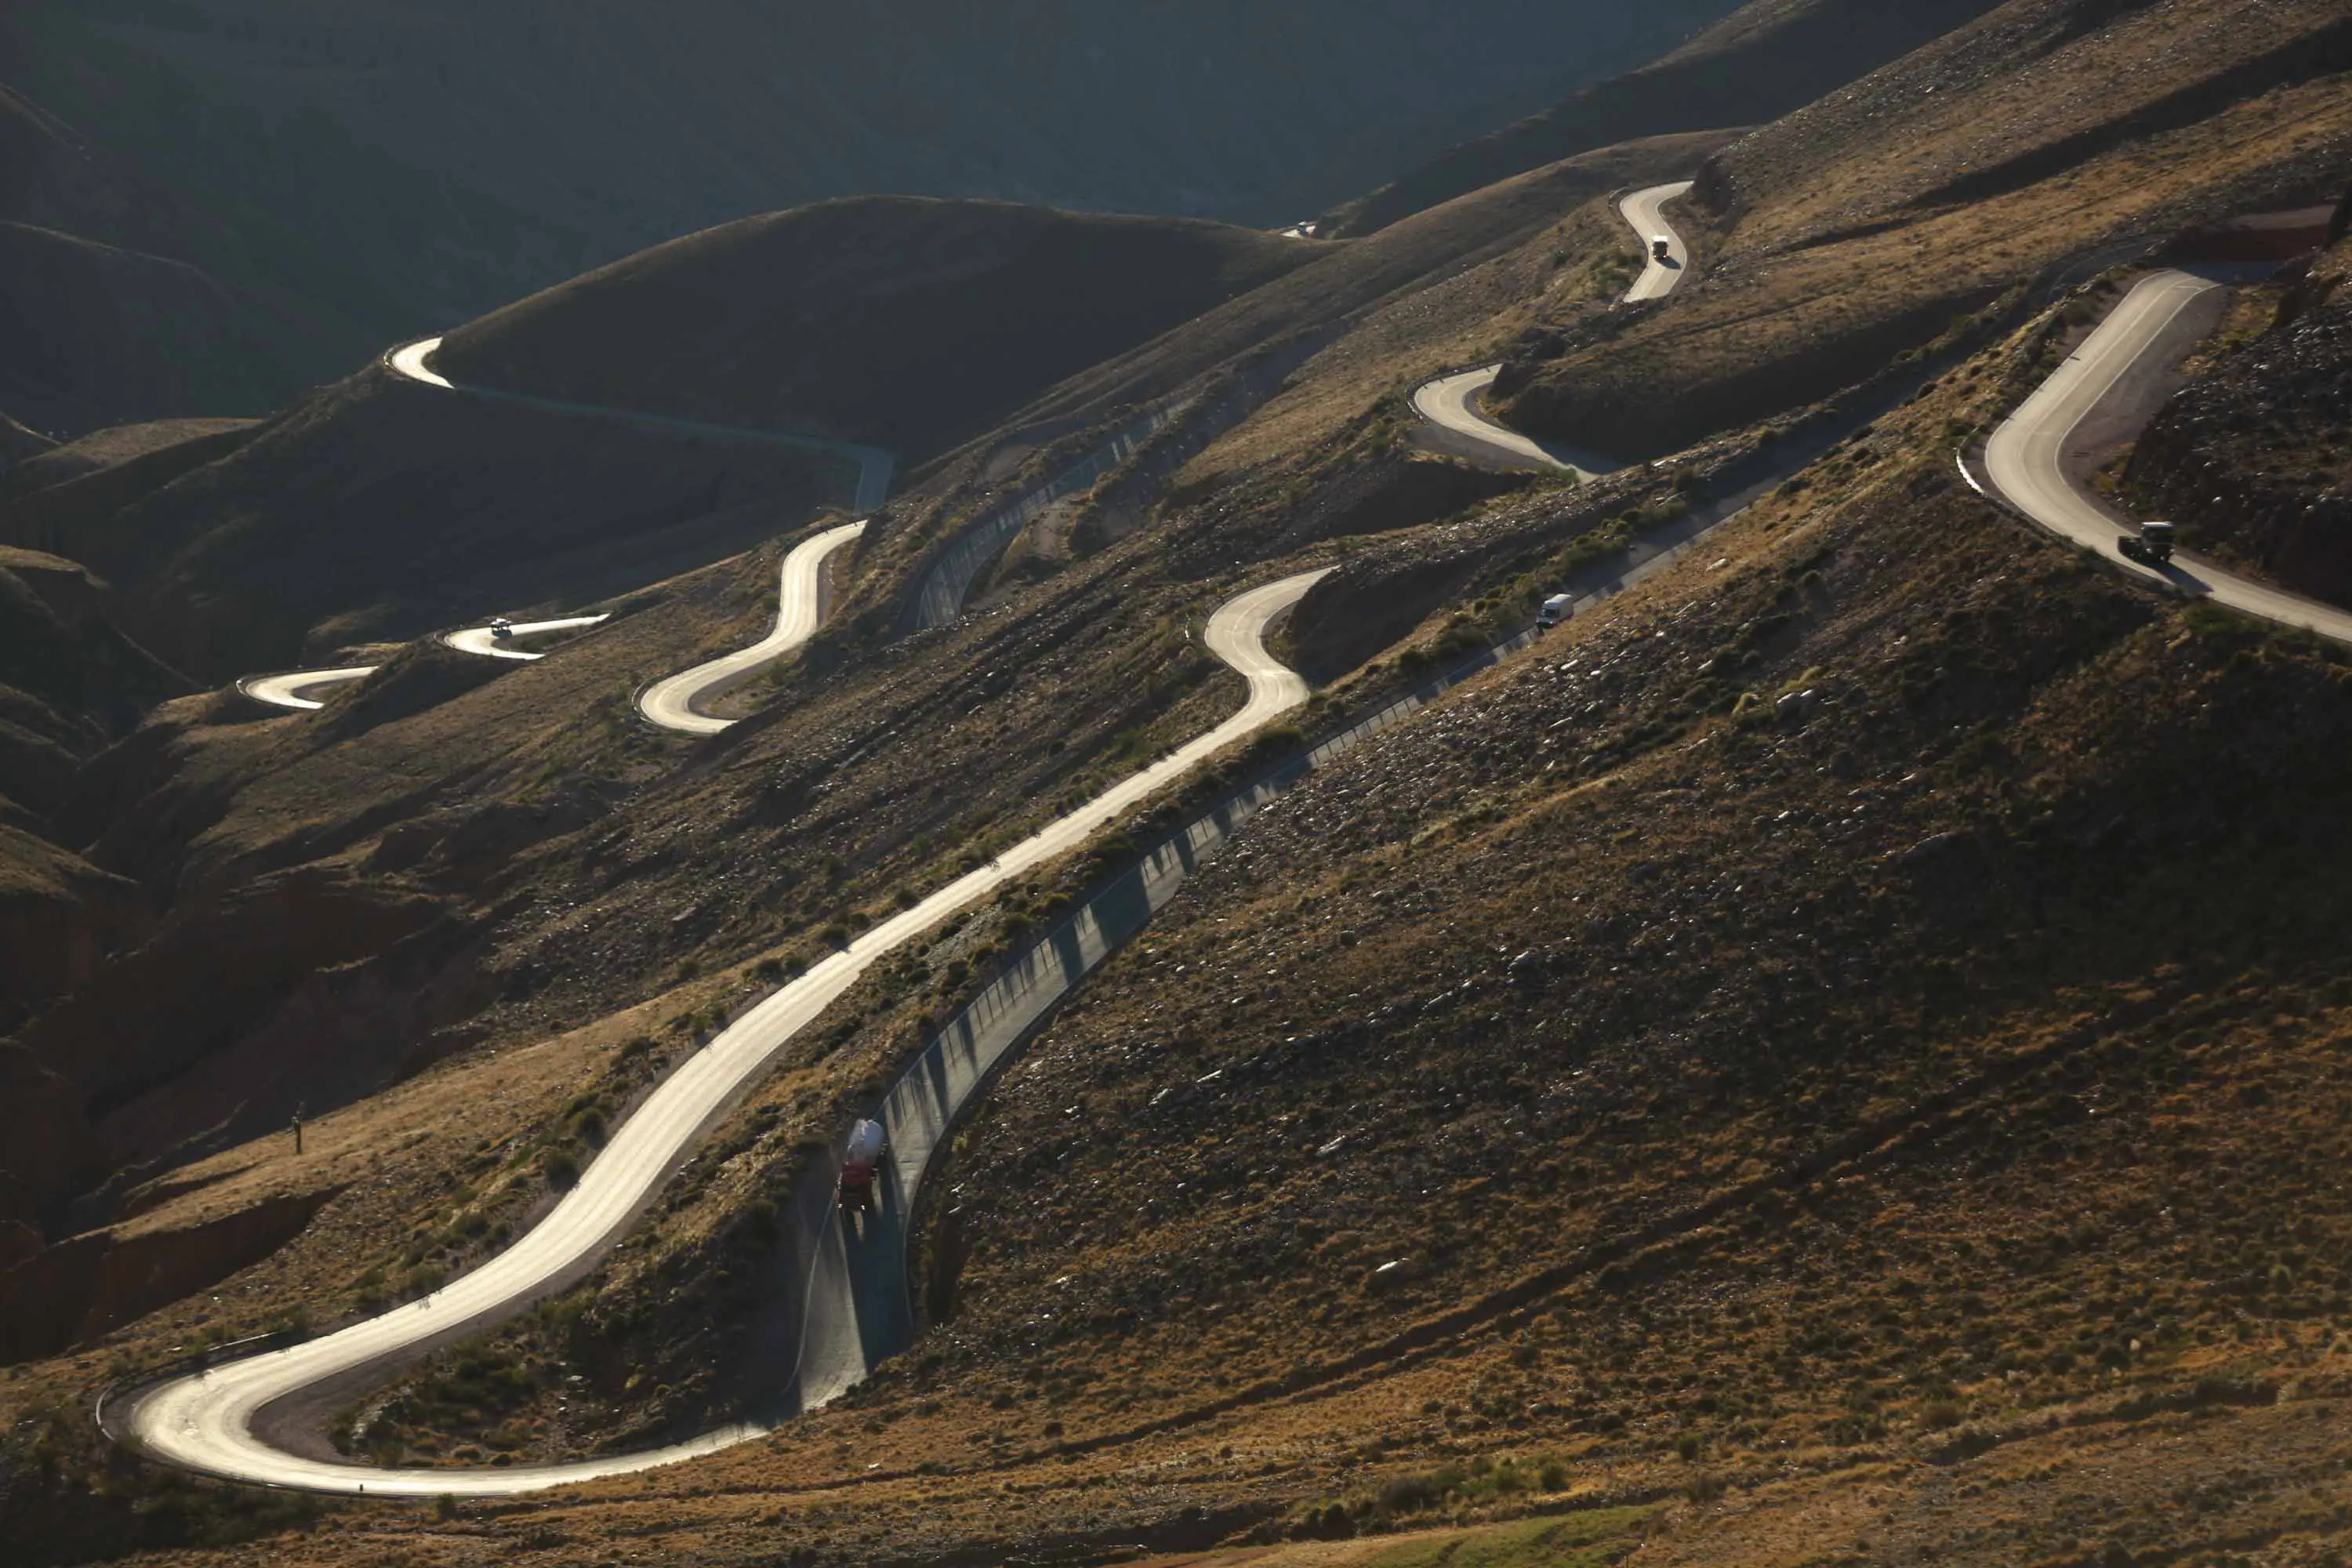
[485, 641]
[204, 1421]
[1643, 212]
[2026, 460]
[800, 603]
[306, 690]
[1450, 401]
[301, 689]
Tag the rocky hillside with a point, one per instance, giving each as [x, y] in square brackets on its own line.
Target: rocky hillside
[1763, 61]
[1620, 1106]
[1861, 226]
[1834, 1056]
[2254, 459]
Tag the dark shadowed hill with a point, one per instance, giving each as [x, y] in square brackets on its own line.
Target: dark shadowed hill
[120, 300]
[897, 320]
[92, 334]
[19, 444]
[359, 172]
[127, 453]
[382, 508]
[70, 684]
[1762, 61]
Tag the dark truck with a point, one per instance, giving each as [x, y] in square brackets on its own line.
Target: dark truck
[2151, 546]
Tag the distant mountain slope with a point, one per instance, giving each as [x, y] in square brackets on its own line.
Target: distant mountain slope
[1765, 59]
[892, 319]
[180, 443]
[92, 335]
[19, 444]
[120, 301]
[385, 168]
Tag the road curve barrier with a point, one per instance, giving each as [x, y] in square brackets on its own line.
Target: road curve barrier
[947, 580]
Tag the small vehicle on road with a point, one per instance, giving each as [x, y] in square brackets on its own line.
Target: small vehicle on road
[1662, 248]
[2151, 546]
[868, 1144]
[1556, 609]
[501, 628]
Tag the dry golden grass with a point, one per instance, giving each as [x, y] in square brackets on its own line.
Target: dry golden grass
[1835, 253]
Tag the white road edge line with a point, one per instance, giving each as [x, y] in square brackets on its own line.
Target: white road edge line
[204, 1421]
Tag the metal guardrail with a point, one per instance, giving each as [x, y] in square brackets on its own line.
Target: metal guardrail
[947, 578]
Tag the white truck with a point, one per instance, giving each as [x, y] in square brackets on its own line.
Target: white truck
[1556, 609]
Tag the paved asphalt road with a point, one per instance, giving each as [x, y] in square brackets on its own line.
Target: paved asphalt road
[800, 602]
[1642, 211]
[301, 689]
[305, 691]
[204, 1421]
[489, 645]
[2026, 458]
[1450, 401]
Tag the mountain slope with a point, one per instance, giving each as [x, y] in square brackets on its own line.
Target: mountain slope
[2253, 458]
[1765, 59]
[376, 171]
[106, 316]
[898, 321]
[1861, 226]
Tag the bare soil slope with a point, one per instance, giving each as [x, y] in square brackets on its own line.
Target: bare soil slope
[1862, 225]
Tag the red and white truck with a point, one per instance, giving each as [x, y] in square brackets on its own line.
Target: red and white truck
[867, 1146]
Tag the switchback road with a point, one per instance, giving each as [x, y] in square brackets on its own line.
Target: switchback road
[800, 603]
[204, 1421]
[2026, 460]
[1450, 401]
